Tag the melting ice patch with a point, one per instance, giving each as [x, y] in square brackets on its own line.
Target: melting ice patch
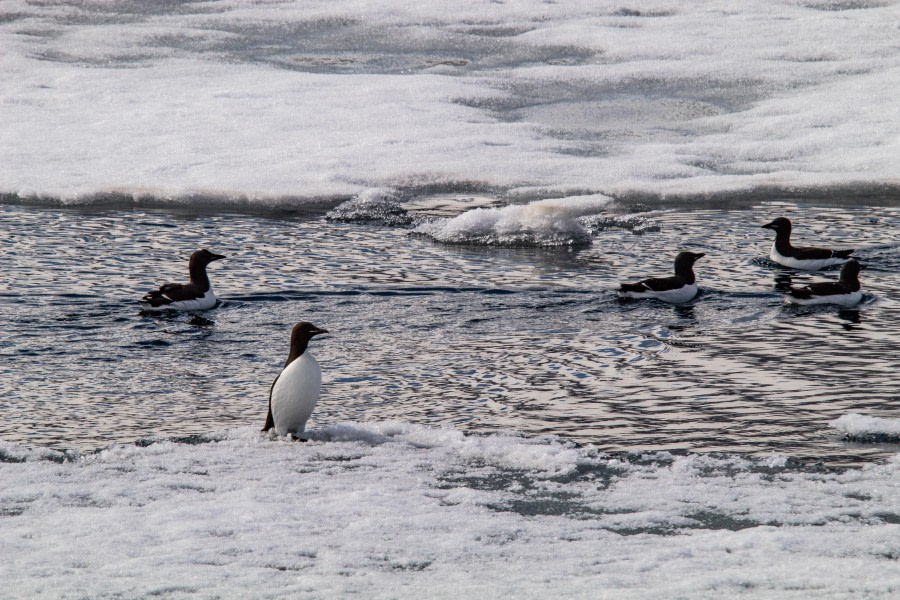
[863, 428]
[545, 223]
[391, 509]
[379, 206]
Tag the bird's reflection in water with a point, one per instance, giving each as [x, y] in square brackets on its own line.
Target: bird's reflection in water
[685, 312]
[851, 318]
[783, 281]
[200, 322]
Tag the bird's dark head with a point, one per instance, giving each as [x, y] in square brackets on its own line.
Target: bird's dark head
[779, 224]
[687, 259]
[204, 257]
[851, 270]
[303, 332]
[684, 264]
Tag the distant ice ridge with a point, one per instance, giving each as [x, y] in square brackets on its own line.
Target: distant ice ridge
[390, 509]
[545, 223]
[863, 428]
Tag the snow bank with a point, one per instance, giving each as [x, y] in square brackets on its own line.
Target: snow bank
[399, 510]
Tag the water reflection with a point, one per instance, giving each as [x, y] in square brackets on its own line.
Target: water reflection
[200, 321]
[783, 280]
[685, 312]
[851, 315]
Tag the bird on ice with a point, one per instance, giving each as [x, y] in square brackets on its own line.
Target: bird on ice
[296, 390]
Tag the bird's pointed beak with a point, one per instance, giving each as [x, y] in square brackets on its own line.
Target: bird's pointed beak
[700, 255]
[767, 226]
[216, 256]
[318, 331]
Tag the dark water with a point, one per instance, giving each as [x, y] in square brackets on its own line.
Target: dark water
[529, 340]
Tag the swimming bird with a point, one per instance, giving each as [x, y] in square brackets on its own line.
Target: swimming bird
[845, 292]
[809, 259]
[296, 390]
[196, 295]
[679, 288]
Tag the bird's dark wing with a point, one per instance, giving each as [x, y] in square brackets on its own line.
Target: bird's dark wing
[820, 253]
[172, 292]
[656, 284]
[270, 421]
[801, 293]
[828, 288]
[156, 298]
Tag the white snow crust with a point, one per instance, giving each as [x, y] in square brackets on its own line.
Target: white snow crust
[394, 510]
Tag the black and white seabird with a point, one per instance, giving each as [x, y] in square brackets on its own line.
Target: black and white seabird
[845, 292]
[196, 295]
[682, 287]
[809, 259]
[296, 390]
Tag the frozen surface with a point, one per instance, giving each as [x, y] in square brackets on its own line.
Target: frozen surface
[397, 510]
[283, 103]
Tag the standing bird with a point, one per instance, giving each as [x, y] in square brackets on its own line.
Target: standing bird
[682, 287]
[845, 292]
[809, 259]
[296, 390]
[196, 295]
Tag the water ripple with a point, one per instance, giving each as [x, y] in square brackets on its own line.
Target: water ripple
[485, 339]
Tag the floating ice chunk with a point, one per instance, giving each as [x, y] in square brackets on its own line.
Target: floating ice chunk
[863, 428]
[546, 223]
[636, 224]
[14, 453]
[375, 205]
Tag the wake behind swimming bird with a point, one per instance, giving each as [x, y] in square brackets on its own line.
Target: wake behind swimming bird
[845, 292]
[806, 258]
[682, 287]
[295, 392]
[195, 295]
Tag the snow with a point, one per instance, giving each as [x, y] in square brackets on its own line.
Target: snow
[550, 222]
[284, 103]
[399, 510]
[866, 428]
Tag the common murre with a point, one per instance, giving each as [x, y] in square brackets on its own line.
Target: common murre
[809, 259]
[196, 295]
[846, 291]
[682, 287]
[296, 390]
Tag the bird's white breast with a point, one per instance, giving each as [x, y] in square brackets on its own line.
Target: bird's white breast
[851, 299]
[677, 296]
[295, 394]
[806, 265]
[206, 302]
